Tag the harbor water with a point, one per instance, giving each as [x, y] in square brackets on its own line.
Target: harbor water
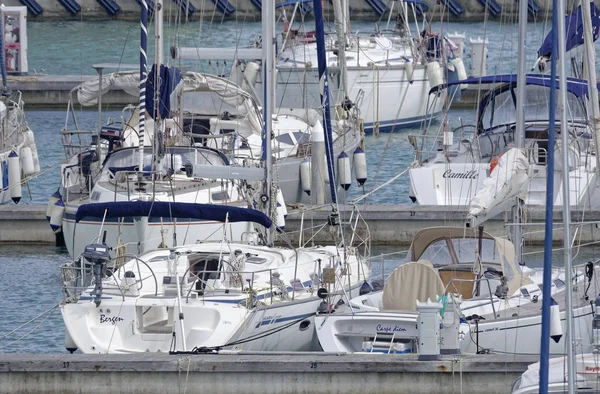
[30, 284]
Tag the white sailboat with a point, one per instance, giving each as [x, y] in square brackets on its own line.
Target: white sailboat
[208, 296]
[451, 166]
[379, 66]
[500, 309]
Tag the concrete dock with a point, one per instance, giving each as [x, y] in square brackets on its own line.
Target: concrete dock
[53, 91]
[260, 373]
[392, 224]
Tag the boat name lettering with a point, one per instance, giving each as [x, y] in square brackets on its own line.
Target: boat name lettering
[113, 320]
[592, 369]
[473, 174]
[390, 328]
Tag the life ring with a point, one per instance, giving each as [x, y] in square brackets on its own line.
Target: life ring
[494, 162]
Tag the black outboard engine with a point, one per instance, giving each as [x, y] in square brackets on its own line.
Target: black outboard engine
[98, 255]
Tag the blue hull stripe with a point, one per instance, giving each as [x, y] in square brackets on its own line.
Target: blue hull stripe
[283, 319]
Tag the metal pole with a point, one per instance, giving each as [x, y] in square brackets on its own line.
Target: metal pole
[547, 274]
[590, 73]
[143, 77]
[322, 60]
[562, 78]
[520, 130]
[268, 67]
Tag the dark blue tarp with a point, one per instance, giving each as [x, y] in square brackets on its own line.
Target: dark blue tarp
[169, 78]
[419, 4]
[573, 30]
[576, 86]
[291, 2]
[178, 210]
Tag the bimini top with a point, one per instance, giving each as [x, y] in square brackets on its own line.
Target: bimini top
[179, 210]
[450, 246]
[576, 86]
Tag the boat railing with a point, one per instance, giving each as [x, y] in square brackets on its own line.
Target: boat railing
[428, 145]
[349, 226]
[78, 275]
[73, 141]
[455, 286]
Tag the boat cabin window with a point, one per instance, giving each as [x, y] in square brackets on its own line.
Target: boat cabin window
[293, 138]
[501, 109]
[128, 159]
[465, 249]
[438, 253]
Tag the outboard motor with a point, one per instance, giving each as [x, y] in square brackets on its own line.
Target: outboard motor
[98, 255]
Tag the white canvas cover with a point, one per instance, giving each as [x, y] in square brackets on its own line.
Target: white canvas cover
[587, 371]
[129, 81]
[510, 178]
[411, 282]
[227, 95]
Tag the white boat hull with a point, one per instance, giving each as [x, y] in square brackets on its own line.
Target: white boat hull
[411, 104]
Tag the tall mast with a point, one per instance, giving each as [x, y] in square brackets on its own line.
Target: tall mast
[590, 73]
[338, 14]
[547, 273]
[322, 60]
[520, 130]
[562, 78]
[143, 77]
[268, 67]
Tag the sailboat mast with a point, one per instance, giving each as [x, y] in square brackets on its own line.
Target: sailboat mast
[562, 78]
[268, 67]
[322, 60]
[520, 129]
[158, 61]
[341, 39]
[143, 77]
[590, 70]
[158, 34]
[547, 273]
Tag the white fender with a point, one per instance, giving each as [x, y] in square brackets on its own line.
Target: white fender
[305, 175]
[281, 202]
[31, 143]
[280, 212]
[434, 74]
[555, 324]
[360, 166]
[57, 216]
[250, 74]
[14, 176]
[70, 344]
[27, 161]
[460, 70]
[344, 171]
[408, 68]
[53, 199]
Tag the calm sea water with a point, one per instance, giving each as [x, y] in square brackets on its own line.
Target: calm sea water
[30, 281]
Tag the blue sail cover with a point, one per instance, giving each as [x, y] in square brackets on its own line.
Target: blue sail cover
[574, 30]
[169, 79]
[576, 86]
[170, 210]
